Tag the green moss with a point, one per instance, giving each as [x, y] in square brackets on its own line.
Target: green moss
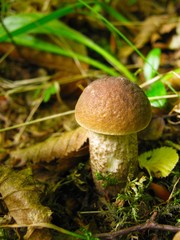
[107, 179]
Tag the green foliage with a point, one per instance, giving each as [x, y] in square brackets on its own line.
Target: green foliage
[112, 12]
[151, 70]
[107, 179]
[25, 28]
[170, 212]
[48, 92]
[133, 204]
[152, 63]
[131, 2]
[59, 13]
[3, 233]
[157, 89]
[159, 162]
[88, 235]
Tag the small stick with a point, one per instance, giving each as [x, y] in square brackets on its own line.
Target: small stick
[150, 224]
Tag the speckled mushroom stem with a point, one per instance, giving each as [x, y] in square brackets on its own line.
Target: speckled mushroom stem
[114, 161]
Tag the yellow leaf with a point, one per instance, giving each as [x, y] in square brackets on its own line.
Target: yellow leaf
[159, 162]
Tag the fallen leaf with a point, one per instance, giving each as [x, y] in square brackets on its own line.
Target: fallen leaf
[159, 162]
[150, 26]
[175, 42]
[66, 65]
[61, 147]
[22, 198]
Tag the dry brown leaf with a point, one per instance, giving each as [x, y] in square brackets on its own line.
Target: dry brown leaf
[61, 147]
[51, 61]
[22, 198]
[149, 27]
[169, 26]
[175, 42]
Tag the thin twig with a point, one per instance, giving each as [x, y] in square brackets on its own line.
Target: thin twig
[150, 224]
[172, 192]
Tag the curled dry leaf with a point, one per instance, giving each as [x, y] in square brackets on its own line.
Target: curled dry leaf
[149, 27]
[62, 147]
[22, 198]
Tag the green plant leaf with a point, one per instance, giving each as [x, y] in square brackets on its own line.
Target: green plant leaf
[152, 63]
[159, 162]
[49, 92]
[157, 89]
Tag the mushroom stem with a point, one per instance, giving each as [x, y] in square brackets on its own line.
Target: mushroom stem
[114, 161]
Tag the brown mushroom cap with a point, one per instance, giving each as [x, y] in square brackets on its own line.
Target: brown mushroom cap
[113, 106]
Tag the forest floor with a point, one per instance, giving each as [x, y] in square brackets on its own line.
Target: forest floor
[46, 183]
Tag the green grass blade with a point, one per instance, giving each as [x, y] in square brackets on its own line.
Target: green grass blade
[30, 41]
[115, 14]
[61, 30]
[43, 20]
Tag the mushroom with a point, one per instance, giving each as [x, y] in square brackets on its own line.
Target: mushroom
[113, 109]
[176, 236]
